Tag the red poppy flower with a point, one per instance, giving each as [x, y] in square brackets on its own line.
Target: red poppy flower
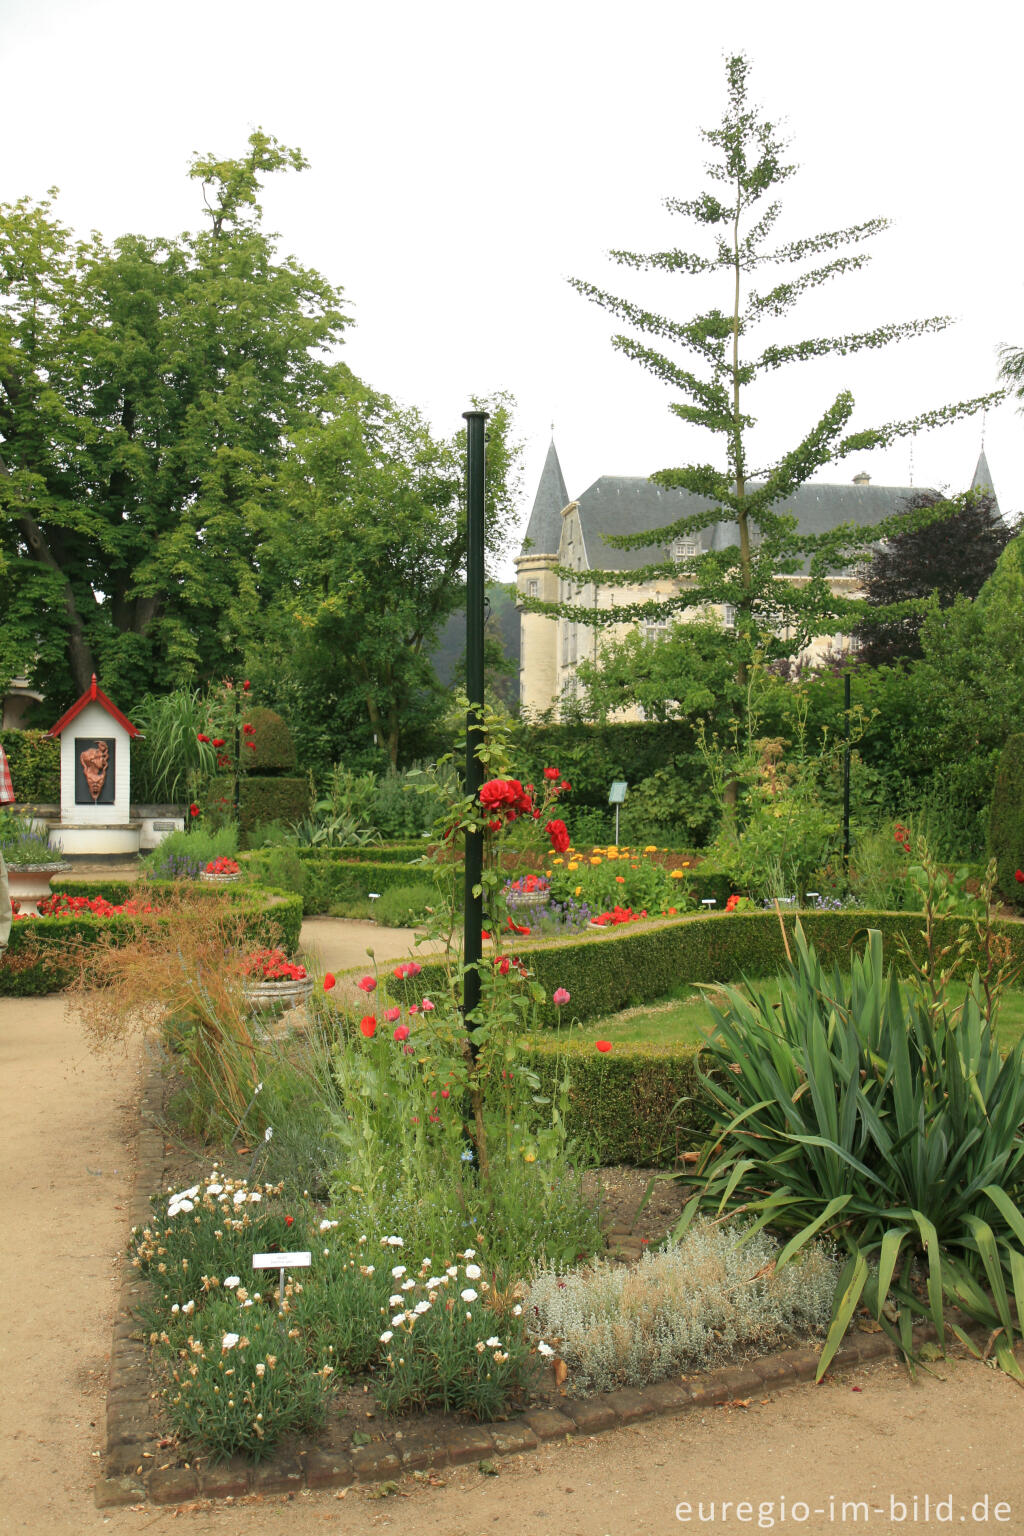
[367, 983]
[604, 1046]
[193, 809]
[368, 1025]
[289, 1221]
[402, 1033]
[330, 980]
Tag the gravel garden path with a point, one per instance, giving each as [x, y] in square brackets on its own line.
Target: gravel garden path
[67, 1133]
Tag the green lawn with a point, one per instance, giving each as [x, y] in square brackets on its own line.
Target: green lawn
[686, 1018]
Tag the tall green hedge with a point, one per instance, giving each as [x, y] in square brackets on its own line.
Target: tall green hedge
[35, 766]
[1006, 820]
[37, 961]
[274, 748]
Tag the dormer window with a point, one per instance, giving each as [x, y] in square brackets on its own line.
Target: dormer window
[685, 549]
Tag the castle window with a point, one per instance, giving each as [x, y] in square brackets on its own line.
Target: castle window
[685, 549]
[728, 616]
[656, 629]
[533, 589]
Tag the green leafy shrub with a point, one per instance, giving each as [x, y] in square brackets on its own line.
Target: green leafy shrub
[34, 758]
[1006, 820]
[406, 906]
[889, 1121]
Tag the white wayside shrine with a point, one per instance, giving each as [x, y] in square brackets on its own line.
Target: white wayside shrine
[95, 779]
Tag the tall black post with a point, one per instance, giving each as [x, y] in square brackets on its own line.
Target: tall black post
[472, 948]
[846, 773]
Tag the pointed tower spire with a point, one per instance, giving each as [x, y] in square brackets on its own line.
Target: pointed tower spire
[544, 529]
[983, 481]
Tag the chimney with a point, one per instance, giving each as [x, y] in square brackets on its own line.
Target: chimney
[862, 479]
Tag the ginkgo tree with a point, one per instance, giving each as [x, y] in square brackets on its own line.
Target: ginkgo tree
[775, 576]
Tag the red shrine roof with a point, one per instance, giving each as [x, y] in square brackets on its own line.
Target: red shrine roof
[93, 695]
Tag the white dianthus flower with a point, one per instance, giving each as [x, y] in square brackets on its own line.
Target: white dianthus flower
[544, 1349]
[386, 1336]
[398, 1271]
[494, 1342]
[229, 1341]
[468, 1294]
[473, 1271]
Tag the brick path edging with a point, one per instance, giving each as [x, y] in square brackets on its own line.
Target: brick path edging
[132, 1468]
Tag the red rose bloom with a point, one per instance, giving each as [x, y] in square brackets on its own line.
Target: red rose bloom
[558, 832]
[552, 773]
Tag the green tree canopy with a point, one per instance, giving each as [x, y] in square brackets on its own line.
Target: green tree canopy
[148, 391]
[368, 564]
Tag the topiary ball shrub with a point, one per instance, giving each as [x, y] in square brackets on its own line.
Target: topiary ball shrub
[1006, 820]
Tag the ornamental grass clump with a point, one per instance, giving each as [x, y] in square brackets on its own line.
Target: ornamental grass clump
[687, 1307]
[886, 1118]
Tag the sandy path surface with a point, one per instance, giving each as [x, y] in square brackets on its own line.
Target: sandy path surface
[66, 1130]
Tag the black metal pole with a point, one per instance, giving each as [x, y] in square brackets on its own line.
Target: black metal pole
[846, 773]
[472, 948]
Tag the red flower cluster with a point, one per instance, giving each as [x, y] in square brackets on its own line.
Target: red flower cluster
[505, 965]
[528, 883]
[902, 835]
[1018, 875]
[404, 972]
[62, 905]
[558, 832]
[248, 730]
[505, 799]
[732, 903]
[272, 965]
[222, 865]
[618, 915]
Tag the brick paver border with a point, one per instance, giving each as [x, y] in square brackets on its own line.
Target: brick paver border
[134, 1468]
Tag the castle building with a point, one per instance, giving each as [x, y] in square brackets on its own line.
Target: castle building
[572, 534]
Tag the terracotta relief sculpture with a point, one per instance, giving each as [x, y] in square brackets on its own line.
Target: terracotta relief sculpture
[94, 765]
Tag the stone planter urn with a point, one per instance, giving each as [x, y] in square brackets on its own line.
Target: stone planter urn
[29, 884]
[211, 879]
[275, 996]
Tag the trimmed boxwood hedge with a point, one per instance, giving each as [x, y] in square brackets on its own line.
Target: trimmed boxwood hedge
[640, 962]
[261, 800]
[331, 878]
[33, 964]
[34, 757]
[638, 1104]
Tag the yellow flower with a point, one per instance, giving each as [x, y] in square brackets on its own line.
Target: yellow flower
[529, 1157]
[573, 864]
[651, 848]
[558, 861]
[613, 853]
[578, 891]
[595, 860]
[620, 879]
[675, 874]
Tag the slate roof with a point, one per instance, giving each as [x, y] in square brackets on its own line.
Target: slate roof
[618, 504]
[983, 481]
[544, 530]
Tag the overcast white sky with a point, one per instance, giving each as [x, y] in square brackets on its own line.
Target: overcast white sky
[467, 159]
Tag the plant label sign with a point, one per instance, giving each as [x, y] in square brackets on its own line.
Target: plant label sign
[281, 1262]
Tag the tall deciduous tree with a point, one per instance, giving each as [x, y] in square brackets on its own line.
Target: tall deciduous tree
[370, 562]
[739, 213]
[951, 559]
[147, 392]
